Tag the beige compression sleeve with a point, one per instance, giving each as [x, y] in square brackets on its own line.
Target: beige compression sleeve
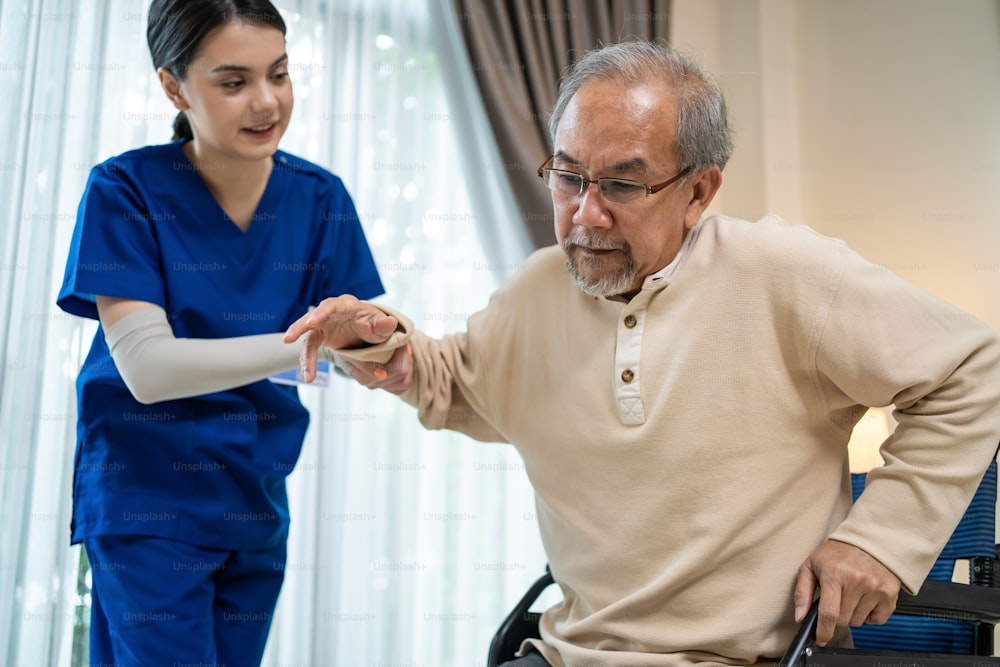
[157, 366]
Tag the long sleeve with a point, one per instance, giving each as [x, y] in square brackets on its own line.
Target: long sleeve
[450, 388]
[156, 366]
[887, 342]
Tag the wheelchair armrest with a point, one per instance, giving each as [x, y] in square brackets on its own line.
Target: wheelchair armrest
[950, 600]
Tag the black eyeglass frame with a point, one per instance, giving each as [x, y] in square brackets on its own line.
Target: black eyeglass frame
[584, 182]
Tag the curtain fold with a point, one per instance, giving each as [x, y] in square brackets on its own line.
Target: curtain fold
[518, 50]
[505, 243]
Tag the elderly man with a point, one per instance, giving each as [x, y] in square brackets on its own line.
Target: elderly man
[682, 390]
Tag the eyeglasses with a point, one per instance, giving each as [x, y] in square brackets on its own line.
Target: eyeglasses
[615, 190]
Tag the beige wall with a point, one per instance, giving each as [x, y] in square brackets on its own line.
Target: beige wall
[875, 121]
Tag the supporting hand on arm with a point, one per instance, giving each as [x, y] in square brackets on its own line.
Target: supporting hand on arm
[345, 324]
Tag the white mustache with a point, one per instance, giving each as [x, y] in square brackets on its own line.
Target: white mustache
[593, 242]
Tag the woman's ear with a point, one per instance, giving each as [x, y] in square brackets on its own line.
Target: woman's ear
[172, 87]
[705, 184]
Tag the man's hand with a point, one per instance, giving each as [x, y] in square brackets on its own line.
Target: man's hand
[854, 588]
[339, 323]
[395, 376]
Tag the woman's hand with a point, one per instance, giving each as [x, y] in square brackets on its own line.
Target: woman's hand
[340, 323]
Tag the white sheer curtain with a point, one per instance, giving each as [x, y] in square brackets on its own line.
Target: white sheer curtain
[505, 244]
[416, 542]
[406, 546]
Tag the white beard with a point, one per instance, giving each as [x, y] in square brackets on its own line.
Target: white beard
[618, 282]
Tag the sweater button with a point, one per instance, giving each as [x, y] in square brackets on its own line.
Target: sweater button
[627, 376]
[630, 321]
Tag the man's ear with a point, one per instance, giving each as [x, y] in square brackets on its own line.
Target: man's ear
[704, 185]
[172, 87]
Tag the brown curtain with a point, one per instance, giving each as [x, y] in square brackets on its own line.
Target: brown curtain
[518, 50]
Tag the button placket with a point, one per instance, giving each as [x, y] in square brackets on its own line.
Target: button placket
[627, 357]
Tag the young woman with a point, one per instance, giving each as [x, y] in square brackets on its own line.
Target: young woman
[195, 256]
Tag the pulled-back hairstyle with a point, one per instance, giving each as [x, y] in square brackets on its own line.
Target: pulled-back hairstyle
[176, 29]
[703, 134]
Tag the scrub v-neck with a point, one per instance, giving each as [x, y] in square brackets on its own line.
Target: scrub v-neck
[218, 223]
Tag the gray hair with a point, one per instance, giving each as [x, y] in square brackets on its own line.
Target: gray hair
[703, 134]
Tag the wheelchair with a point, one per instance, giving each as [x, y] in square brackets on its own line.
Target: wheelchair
[947, 624]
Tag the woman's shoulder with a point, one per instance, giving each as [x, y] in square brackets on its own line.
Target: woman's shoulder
[305, 170]
[151, 161]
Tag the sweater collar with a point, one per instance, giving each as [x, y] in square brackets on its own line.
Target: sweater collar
[658, 280]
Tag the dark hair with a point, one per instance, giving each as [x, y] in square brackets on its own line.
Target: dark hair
[177, 27]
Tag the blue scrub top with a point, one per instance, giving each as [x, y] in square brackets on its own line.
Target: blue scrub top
[208, 470]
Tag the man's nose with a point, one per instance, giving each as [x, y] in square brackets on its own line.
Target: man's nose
[592, 208]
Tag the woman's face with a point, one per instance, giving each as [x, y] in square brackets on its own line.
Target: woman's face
[236, 92]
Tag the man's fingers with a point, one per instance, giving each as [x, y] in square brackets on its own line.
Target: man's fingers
[829, 613]
[370, 374]
[864, 612]
[879, 611]
[395, 376]
[829, 605]
[805, 591]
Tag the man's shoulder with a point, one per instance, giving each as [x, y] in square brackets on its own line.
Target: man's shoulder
[769, 238]
[768, 228]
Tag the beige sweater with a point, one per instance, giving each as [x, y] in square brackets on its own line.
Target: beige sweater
[688, 449]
